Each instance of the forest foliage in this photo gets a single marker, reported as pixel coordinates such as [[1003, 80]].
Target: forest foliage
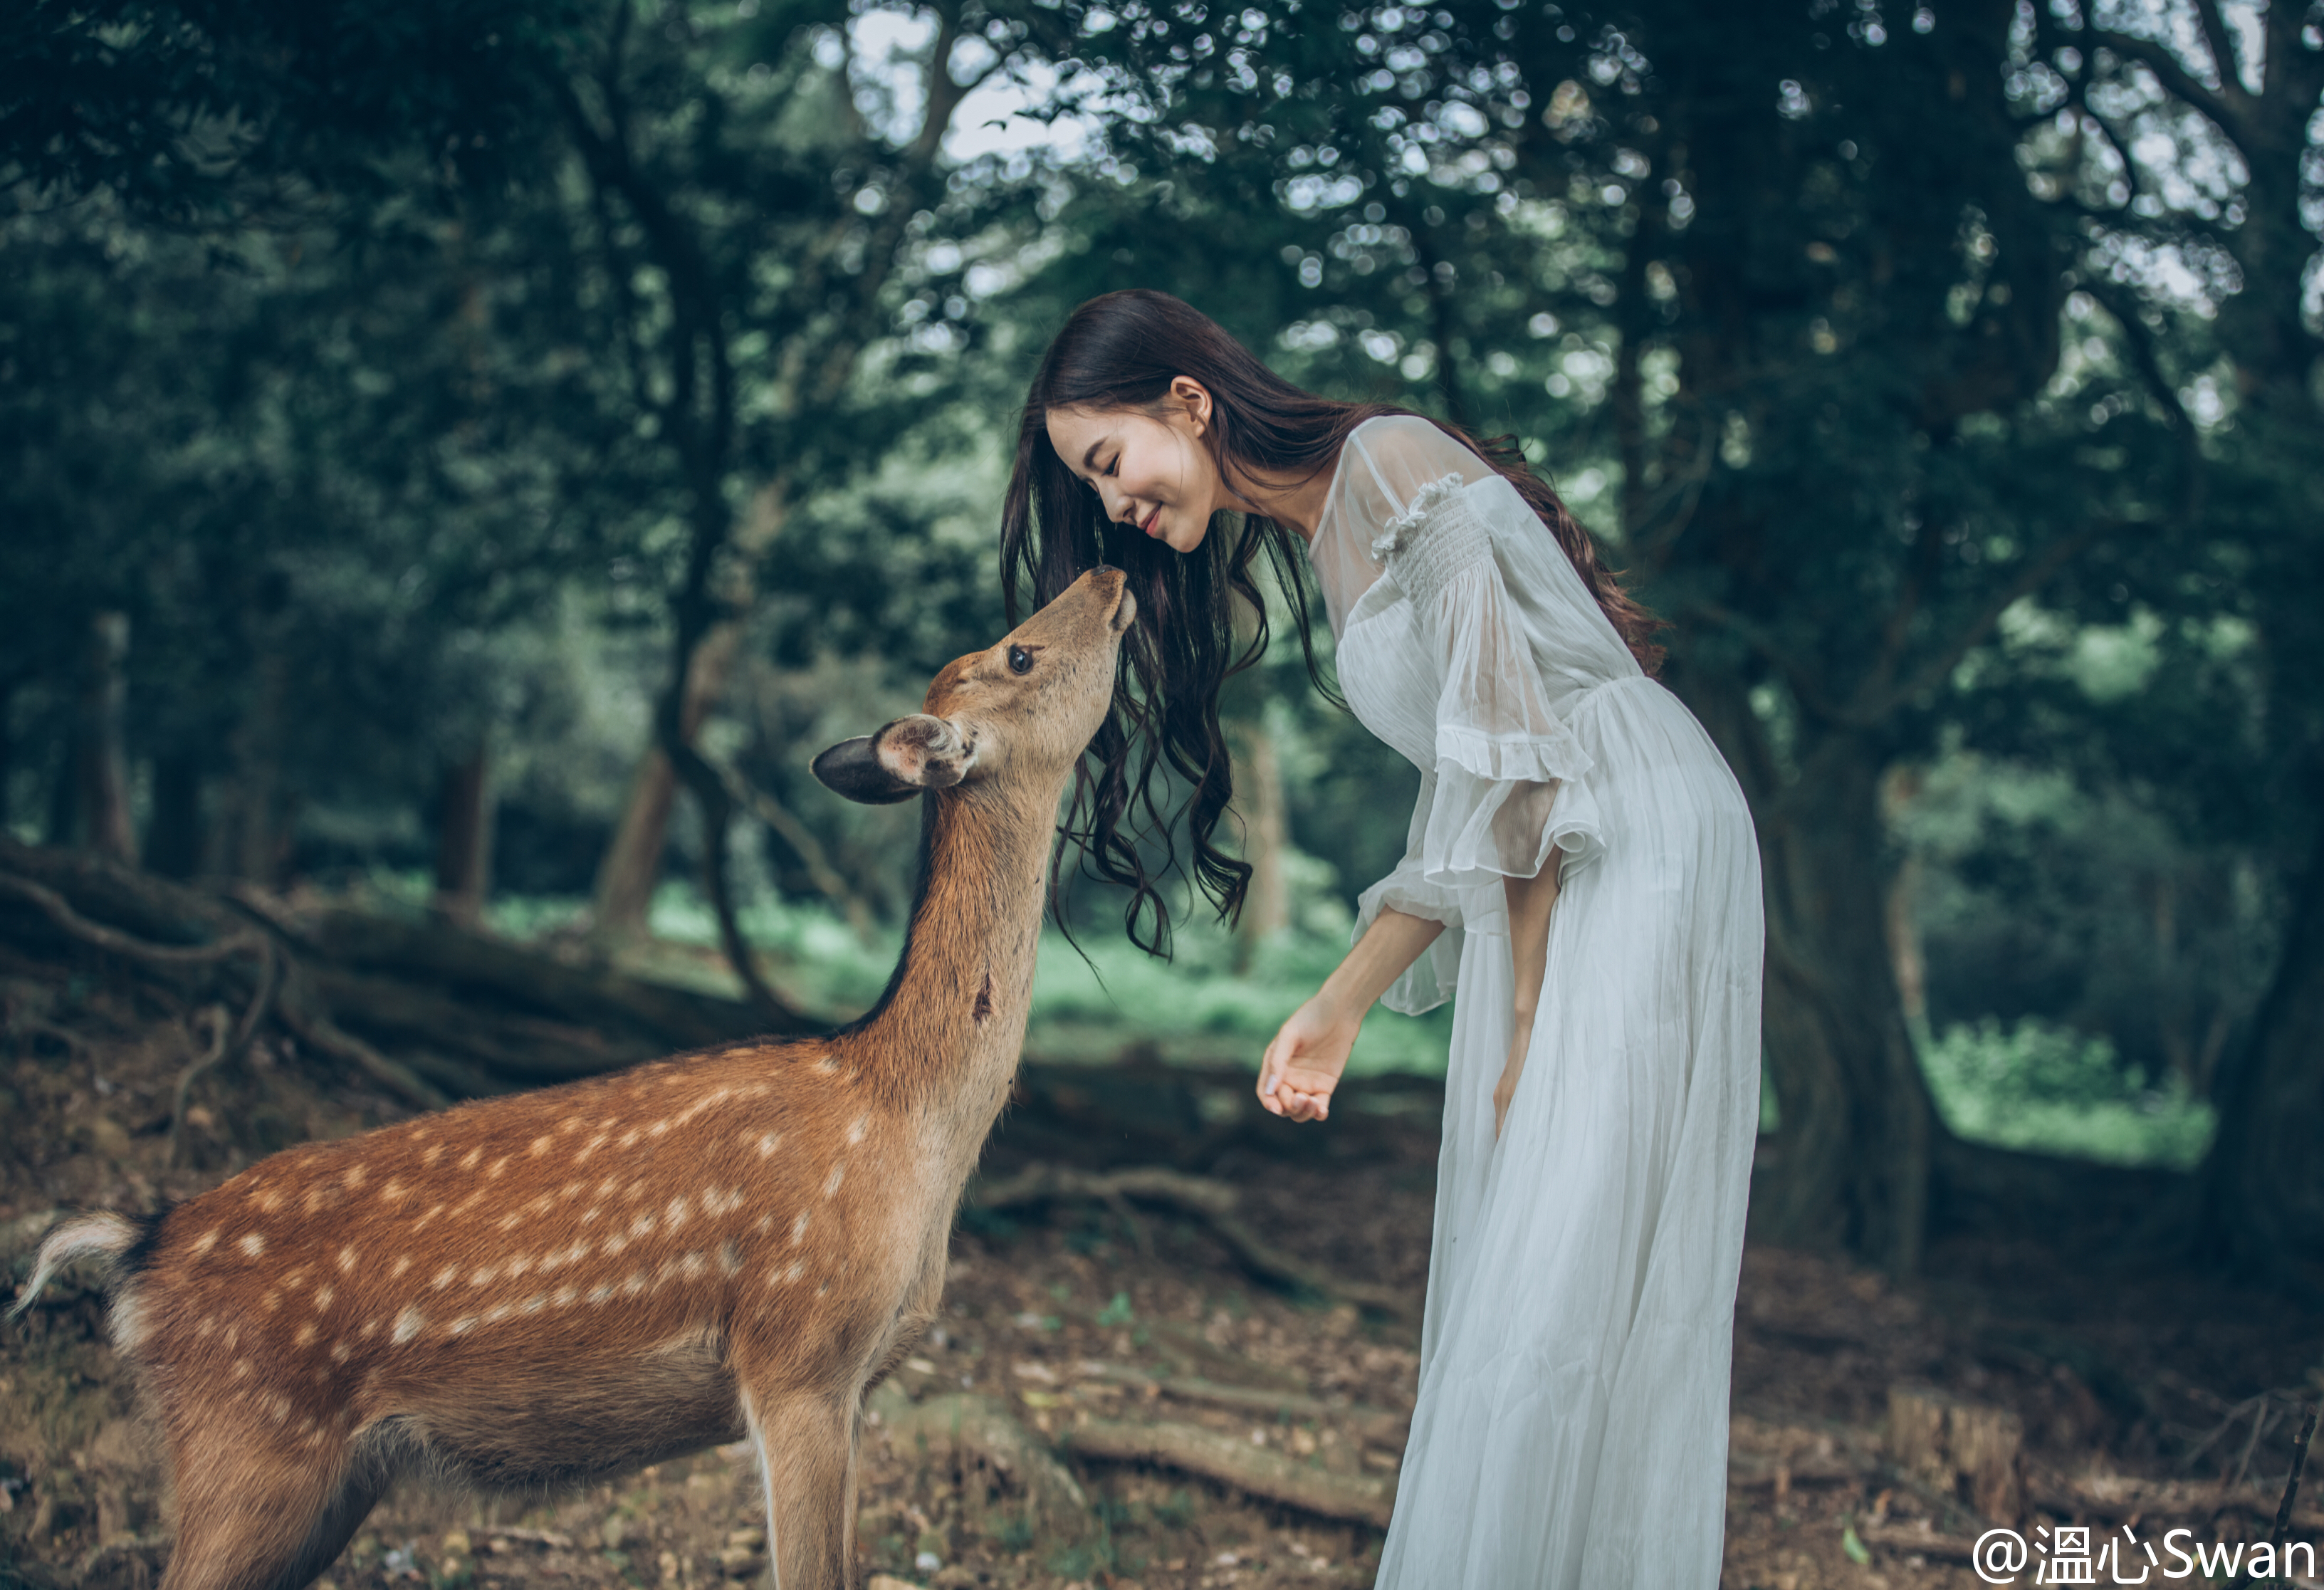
[[507, 440]]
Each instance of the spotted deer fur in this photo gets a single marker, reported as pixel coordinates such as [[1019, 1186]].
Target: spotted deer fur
[[557, 1286]]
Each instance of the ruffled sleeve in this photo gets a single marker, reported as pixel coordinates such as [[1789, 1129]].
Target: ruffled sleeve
[[1510, 779], [1428, 982]]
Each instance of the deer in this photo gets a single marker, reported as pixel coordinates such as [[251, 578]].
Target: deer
[[552, 1289]]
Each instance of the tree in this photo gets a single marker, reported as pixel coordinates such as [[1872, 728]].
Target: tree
[[743, 211], [2189, 153]]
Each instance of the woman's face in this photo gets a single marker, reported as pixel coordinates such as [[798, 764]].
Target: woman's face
[[1154, 472]]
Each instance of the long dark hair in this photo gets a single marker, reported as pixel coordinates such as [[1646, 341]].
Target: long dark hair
[[1121, 351]]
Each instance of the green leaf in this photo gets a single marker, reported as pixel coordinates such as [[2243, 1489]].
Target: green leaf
[[1856, 1550]]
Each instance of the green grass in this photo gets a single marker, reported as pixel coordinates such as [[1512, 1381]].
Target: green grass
[[2027, 1086], [1090, 1002], [2040, 1086]]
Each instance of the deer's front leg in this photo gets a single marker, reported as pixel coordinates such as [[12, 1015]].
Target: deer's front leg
[[807, 1447]]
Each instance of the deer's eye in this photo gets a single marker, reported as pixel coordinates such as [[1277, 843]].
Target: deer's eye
[[1021, 660]]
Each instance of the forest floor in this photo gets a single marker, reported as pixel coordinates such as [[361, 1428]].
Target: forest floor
[[2115, 1367]]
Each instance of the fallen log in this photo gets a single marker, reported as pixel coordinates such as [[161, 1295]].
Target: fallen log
[[306, 1014], [445, 956], [531, 1048], [1259, 1472]]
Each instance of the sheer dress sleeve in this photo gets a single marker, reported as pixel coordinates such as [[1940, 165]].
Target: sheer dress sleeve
[[1509, 780]]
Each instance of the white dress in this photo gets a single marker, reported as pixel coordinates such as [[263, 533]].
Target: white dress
[[1571, 1426]]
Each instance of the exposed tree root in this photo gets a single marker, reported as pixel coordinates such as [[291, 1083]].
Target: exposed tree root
[[428, 1011], [1256, 1471], [1212, 1203], [1379, 1425]]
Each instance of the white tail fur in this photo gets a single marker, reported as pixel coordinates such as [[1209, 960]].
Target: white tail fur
[[76, 1238]]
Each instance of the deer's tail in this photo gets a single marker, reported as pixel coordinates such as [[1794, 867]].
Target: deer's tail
[[104, 1234]]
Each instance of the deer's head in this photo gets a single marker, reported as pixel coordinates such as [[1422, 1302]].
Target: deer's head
[[1021, 709]]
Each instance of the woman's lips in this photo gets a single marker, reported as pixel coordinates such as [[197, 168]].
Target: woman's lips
[[1151, 524]]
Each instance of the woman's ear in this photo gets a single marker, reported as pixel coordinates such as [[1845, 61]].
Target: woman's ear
[[1196, 397]]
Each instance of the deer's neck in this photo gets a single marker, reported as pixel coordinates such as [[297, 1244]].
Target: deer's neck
[[948, 1034]]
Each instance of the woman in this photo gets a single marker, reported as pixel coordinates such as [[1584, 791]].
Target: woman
[[1603, 1093]]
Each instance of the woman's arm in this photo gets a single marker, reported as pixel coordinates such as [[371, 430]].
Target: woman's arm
[[1303, 1063], [1529, 902]]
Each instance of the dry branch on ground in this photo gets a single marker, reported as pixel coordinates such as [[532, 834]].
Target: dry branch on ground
[[1256, 1471], [1214, 1203]]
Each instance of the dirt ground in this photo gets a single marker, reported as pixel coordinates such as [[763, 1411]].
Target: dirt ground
[[2143, 1392]]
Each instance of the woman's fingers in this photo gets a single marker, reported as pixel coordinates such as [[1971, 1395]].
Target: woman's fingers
[[1289, 1088], [1300, 1106], [1270, 1072]]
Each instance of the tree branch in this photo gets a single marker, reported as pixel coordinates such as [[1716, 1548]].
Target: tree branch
[[801, 838], [1796, 673], [1928, 550], [944, 95], [2223, 55], [2147, 359], [702, 780], [2176, 80], [2030, 578]]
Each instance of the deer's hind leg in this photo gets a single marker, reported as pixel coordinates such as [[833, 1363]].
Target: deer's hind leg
[[806, 1448], [254, 1517]]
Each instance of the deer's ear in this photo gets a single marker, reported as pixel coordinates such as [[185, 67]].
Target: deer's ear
[[907, 756], [852, 768], [924, 750]]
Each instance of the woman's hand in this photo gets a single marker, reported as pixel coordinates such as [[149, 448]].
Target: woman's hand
[[1302, 1065]]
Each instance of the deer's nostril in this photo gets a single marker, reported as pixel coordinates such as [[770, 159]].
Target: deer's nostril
[[1105, 569]]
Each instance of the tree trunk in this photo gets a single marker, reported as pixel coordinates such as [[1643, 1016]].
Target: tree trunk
[[632, 862], [1905, 951], [2263, 1198], [100, 762], [464, 838], [253, 842], [63, 810], [1266, 906], [1852, 1153], [173, 838]]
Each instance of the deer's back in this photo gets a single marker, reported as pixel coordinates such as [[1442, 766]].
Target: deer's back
[[592, 1257]]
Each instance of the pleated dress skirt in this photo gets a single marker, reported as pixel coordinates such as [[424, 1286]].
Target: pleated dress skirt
[[1572, 1425]]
